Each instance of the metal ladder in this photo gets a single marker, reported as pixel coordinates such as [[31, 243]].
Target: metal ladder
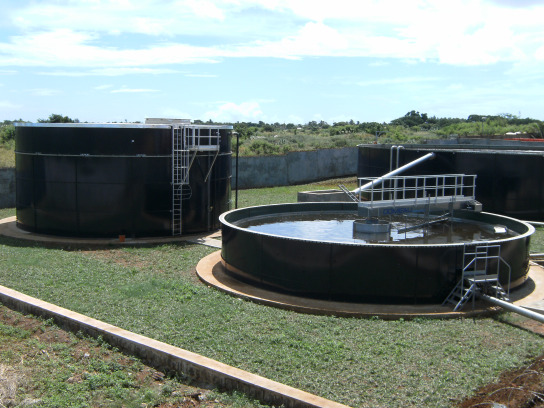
[[180, 175], [352, 196], [187, 139], [475, 277]]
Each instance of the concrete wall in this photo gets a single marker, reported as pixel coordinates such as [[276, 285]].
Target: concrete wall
[[7, 188], [295, 167], [260, 171]]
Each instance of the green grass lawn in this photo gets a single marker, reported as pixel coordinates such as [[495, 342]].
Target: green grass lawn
[[358, 362]]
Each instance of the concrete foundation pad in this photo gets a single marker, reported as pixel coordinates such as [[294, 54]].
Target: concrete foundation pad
[[212, 272], [8, 228]]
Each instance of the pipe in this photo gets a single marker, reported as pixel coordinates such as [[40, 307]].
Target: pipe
[[237, 160], [398, 154], [379, 180], [513, 308], [391, 157]]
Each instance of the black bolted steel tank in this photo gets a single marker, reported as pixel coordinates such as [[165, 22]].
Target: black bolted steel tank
[[509, 174], [106, 180], [291, 256]]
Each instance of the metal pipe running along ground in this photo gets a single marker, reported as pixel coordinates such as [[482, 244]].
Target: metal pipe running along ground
[[379, 180], [512, 308]]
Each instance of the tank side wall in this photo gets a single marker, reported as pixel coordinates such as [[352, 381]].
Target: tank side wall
[[383, 273], [296, 266], [508, 184], [94, 181]]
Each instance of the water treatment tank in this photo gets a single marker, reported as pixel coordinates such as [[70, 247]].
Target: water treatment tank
[[509, 174], [138, 180]]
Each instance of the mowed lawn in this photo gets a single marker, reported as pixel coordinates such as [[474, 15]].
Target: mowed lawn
[[358, 362]]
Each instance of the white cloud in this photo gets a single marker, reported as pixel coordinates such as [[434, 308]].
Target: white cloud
[[9, 105], [44, 92], [133, 90], [67, 48], [201, 75], [103, 87], [397, 81], [80, 34], [539, 54], [112, 72], [205, 8], [232, 112], [170, 113], [149, 17]]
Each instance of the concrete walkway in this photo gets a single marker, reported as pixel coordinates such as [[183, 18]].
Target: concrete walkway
[[211, 271], [8, 228]]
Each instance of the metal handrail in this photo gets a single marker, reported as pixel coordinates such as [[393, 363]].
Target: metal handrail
[[426, 187], [194, 139], [399, 170]]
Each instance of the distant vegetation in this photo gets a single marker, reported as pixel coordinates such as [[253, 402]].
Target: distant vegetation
[[262, 138]]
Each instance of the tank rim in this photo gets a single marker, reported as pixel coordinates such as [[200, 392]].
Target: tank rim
[[116, 125], [534, 149]]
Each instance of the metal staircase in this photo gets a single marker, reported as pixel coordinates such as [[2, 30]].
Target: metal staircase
[[187, 141], [352, 196], [475, 277]]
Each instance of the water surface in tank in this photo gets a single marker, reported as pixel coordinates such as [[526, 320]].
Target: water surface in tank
[[338, 227]]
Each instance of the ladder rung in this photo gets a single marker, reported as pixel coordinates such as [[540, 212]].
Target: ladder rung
[[484, 278], [474, 273]]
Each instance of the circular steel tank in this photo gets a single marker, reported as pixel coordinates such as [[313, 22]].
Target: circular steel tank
[[509, 174], [363, 272], [106, 180]]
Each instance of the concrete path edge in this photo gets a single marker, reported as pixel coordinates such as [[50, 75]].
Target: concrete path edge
[[199, 368]]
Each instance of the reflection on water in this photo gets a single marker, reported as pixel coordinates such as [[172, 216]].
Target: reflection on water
[[338, 227]]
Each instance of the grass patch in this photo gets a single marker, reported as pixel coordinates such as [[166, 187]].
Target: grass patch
[[358, 362], [6, 212], [288, 194], [44, 366], [7, 155], [537, 241]]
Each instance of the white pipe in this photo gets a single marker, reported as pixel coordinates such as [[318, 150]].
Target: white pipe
[[398, 154], [391, 157], [379, 180], [513, 308]]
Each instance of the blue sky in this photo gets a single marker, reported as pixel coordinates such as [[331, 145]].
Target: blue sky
[[271, 60]]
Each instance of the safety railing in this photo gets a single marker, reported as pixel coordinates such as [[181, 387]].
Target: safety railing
[[423, 188], [201, 138]]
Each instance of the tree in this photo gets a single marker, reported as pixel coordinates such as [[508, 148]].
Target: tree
[[412, 118], [55, 118], [7, 133]]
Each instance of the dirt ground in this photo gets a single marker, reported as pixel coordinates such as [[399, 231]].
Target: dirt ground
[[17, 379], [519, 388]]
